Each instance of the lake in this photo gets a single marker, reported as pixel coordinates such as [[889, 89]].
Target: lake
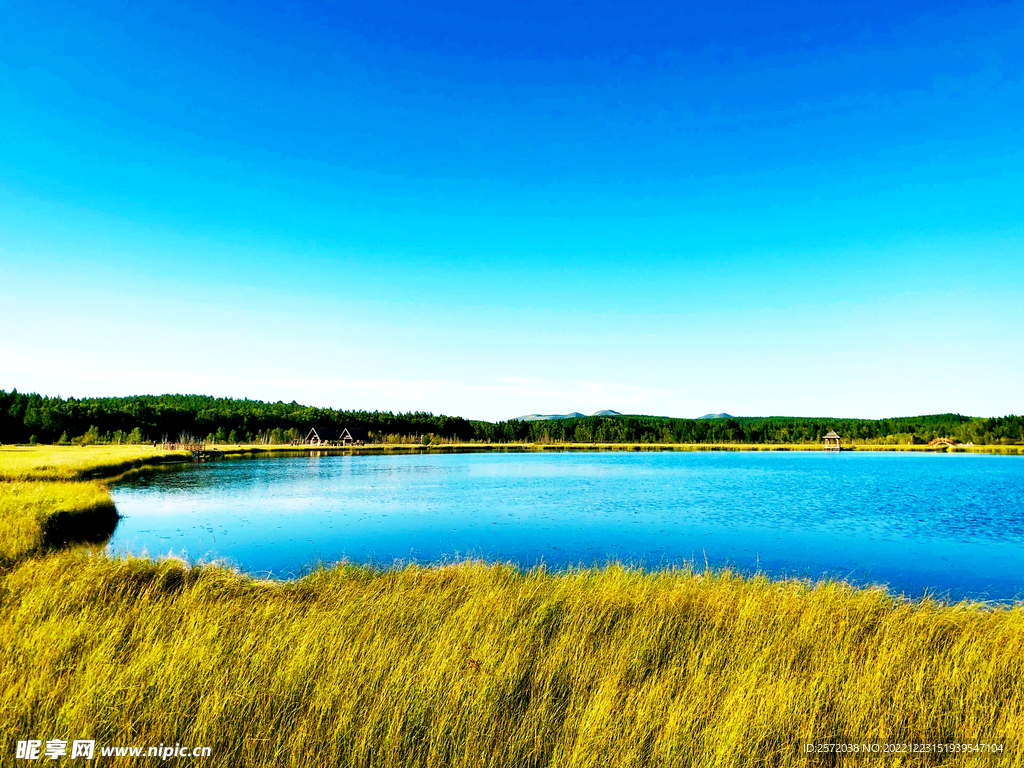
[[950, 525]]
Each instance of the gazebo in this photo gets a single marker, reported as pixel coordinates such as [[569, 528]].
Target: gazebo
[[832, 441]]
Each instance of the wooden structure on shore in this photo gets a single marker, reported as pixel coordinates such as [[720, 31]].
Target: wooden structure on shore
[[200, 451], [322, 436], [328, 436], [182, 445], [353, 436], [948, 442], [832, 441]]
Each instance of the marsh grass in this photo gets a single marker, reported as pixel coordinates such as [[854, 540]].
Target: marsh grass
[[37, 516], [483, 665], [59, 462], [474, 664], [46, 503]]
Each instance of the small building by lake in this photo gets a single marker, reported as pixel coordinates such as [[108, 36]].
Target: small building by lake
[[832, 441], [322, 436], [331, 436], [352, 436]]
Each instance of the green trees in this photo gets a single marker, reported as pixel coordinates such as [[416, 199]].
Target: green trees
[[754, 430], [223, 420], [155, 416]]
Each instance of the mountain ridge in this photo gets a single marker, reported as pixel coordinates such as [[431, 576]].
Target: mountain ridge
[[558, 416]]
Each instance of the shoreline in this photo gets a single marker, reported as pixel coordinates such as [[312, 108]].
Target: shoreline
[[53, 495], [385, 448]]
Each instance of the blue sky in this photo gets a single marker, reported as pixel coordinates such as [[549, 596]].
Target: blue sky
[[492, 210]]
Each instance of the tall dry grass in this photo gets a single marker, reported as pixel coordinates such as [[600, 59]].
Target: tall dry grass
[[44, 501], [476, 665], [35, 516], [469, 665]]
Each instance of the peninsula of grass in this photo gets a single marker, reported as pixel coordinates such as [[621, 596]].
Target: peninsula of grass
[[46, 502], [483, 665], [58, 462]]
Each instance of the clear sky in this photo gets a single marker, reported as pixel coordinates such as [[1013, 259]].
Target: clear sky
[[495, 209]]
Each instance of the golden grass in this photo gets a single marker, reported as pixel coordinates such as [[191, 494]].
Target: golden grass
[[471, 665], [475, 665], [63, 462], [35, 515], [44, 501]]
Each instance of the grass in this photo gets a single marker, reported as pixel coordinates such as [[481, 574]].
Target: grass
[[473, 664], [38, 516], [60, 462], [46, 503]]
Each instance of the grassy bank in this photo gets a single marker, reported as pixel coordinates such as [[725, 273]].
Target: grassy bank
[[471, 665], [474, 665], [37, 516], [59, 462], [46, 503]]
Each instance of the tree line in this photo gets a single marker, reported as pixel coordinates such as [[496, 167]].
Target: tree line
[[145, 418], [910, 430], [28, 418]]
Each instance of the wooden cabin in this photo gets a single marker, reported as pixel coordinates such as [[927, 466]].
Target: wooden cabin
[[832, 441], [352, 436], [331, 436], [322, 436]]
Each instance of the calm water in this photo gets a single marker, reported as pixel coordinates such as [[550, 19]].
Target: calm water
[[948, 524]]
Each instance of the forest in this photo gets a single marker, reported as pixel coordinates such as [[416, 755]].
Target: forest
[[33, 418], [911, 430], [148, 418]]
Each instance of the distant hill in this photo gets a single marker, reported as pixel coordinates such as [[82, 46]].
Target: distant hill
[[549, 416], [554, 416], [716, 416]]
